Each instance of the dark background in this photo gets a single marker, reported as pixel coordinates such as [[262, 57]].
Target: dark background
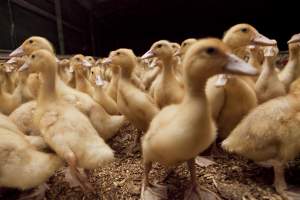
[[94, 27]]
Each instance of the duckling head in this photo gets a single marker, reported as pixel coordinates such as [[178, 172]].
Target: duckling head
[[244, 34], [124, 58], [32, 44], [185, 45], [37, 61], [175, 46], [64, 63], [95, 76], [161, 49], [208, 57], [294, 44], [91, 60], [79, 63]]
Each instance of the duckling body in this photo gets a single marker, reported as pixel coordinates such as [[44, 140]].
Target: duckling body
[[268, 85], [77, 143]]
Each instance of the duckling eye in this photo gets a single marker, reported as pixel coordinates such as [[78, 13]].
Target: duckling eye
[[32, 56], [30, 41], [244, 30], [159, 46], [210, 50], [77, 59], [118, 53], [184, 44], [92, 72]]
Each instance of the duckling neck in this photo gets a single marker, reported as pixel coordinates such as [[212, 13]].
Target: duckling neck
[[195, 90], [99, 93], [80, 79], [167, 67], [48, 92]]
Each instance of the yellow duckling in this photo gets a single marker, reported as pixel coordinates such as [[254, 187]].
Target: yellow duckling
[[9, 102], [79, 64], [270, 134], [184, 46], [22, 166], [100, 95], [65, 72], [105, 124], [151, 75], [133, 103], [77, 143], [112, 88], [233, 97], [292, 69], [268, 85], [178, 133], [168, 90]]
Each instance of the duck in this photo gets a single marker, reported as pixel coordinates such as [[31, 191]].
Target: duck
[[79, 63], [268, 85], [9, 82], [105, 124], [9, 102], [22, 166], [291, 71], [169, 90], [256, 58], [225, 92], [112, 88], [269, 134], [100, 96], [184, 46], [65, 72], [137, 106], [151, 75], [77, 143], [179, 132]]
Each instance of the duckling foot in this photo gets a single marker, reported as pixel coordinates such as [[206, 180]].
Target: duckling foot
[[195, 192], [203, 162], [38, 193], [154, 192], [80, 179]]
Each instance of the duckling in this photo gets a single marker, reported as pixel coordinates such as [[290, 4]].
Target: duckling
[[77, 143], [105, 124], [168, 90], [270, 134], [291, 71], [22, 166], [9, 82], [179, 132], [184, 46], [9, 102], [133, 103], [112, 88], [78, 63], [256, 56], [234, 90], [268, 86], [91, 60], [151, 75], [65, 72], [100, 95]]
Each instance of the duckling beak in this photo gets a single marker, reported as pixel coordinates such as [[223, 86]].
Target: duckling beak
[[238, 66], [148, 54], [86, 64], [107, 61], [295, 38], [17, 52], [57, 60], [177, 53], [11, 61], [221, 80], [99, 81], [23, 67], [260, 39]]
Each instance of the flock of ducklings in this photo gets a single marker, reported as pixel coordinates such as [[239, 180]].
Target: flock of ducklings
[[183, 99]]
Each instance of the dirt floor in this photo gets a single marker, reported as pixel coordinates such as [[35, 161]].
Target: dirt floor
[[231, 178]]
